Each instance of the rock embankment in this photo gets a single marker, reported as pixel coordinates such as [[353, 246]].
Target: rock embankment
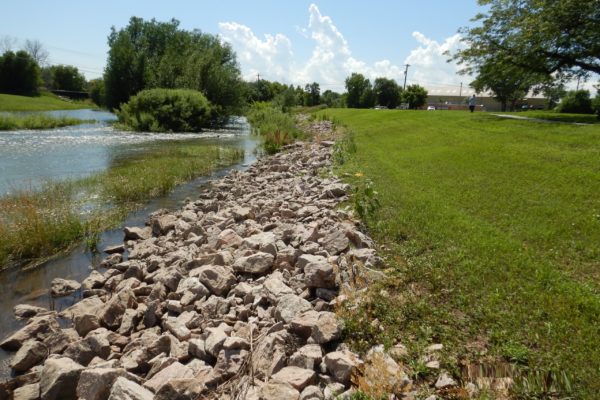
[[233, 296]]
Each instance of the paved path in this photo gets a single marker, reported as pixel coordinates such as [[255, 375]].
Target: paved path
[[538, 119]]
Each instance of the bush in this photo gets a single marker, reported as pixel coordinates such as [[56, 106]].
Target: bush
[[577, 102], [167, 110]]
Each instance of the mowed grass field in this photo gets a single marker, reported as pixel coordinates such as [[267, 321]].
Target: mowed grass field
[[492, 228], [44, 102]]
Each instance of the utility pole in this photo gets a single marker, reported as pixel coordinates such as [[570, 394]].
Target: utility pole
[[258, 78], [460, 92], [405, 75], [578, 78]]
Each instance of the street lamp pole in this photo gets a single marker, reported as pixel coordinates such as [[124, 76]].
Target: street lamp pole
[[405, 75]]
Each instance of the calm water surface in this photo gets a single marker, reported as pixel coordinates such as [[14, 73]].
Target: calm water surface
[[28, 158]]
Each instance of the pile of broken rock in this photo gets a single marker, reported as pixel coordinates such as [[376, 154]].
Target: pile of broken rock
[[230, 297]]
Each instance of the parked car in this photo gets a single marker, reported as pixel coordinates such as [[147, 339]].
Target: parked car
[[431, 108]]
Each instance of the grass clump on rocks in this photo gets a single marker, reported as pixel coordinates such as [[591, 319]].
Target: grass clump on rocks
[[277, 128]]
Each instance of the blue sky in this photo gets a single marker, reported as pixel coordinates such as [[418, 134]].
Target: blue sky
[[289, 41]]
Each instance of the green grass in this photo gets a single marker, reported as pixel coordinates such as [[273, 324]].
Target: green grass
[[35, 225], [36, 121], [45, 102], [493, 231], [276, 128], [559, 117]]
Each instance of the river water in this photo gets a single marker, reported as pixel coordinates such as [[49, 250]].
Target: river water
[[29, 158]]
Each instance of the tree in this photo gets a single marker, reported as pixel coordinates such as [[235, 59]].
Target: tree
[[360, 91], [97, 92], [387, 92], [37, 51], [508, 83], [19, 73], [541, 36], [312, 94], [331, 98], [415, 96], [553, 92], [152, 54], [576, 101], [67, 77], [7, 43]]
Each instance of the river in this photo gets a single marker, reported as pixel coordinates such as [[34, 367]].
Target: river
[[30, 158]]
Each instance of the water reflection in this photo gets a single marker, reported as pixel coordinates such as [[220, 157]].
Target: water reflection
[[29, 158]]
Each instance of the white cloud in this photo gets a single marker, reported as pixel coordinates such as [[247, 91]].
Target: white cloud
[[331, 59]]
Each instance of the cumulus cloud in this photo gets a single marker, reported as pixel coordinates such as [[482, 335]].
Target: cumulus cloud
[[331, 59]]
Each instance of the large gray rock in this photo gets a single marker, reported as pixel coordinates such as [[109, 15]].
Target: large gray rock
[[290, 306], [319, 274], [24, 311], [275, 289], [229, 363], [326, 328], [135, 233], [30, 354], [218, 279], [38, 327], [264, 241], [278, 391], [228, 238], [63, 287], [258, 263], [124, 389], [335, 241], [173, 371], [90, 305], [27, 392], [59, 379], [112, 312], [299, 378], [191, 289], [214, 341], [163, 224], [340, 365], [86, 323], [303, 324], [95, 383], [308, 356]]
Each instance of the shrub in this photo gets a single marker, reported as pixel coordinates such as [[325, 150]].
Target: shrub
[[167, 110], [576, 101]]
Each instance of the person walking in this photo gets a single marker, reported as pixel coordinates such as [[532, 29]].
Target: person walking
[[472, 101]]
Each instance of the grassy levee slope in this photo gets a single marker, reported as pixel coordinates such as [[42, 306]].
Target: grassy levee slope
[[493, 230], [45, 102]]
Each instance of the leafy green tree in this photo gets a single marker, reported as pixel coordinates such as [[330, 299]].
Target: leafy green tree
[[312, 94], [97, 91], [508, 83], [360, 91], [553, 92], [576, 101], [286, 99], [151, 54], [66, 77], [19, 73], [415, 96], [541, 36], [331, 98], [387, 92]]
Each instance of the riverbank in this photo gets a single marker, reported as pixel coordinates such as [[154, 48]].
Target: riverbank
[[46, 101], [36, 121]]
